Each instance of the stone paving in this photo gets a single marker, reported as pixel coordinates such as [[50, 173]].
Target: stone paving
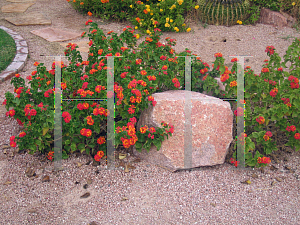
[[19, 17]]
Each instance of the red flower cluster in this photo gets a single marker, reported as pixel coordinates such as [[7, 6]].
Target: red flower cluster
[[66, 116], [260, 120], [50, 155], [270, 82], [270, 50], [268, 135], [263, 160], [87, 22], [86, 132], [234, 162], [99, 155], [274, 92], [238, 112], [286, 101], [176, 82], [291, 128], [294, 83]]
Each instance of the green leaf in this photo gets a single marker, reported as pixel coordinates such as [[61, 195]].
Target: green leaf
[[255, 134], [82, 150], [92, 145], [81, 146], [38, 142], [157, 143], [45, 130], [17, 101], [222, 69], [67, 142], [73, 147], [138, 145]]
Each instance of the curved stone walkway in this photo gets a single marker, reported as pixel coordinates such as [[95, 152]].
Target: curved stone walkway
[[19, 61], [24, 19]]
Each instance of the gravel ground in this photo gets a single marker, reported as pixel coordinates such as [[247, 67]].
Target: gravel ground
[[147, 194]]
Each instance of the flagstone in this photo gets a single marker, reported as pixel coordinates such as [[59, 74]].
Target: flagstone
[[54, 34], [16, 7], [30, 19], [20, 1], [83, 46]]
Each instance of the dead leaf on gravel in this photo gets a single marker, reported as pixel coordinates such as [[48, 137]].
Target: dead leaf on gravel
[[79, 164], [278, 179], [124, 199], [130, 166], [262, 170], [4, 152], [46, 179], [213, 204], [273, 183], [121, 163], [273, 168], [7, 182], [136, 160], [30, 172], [122, 156], [89, 181], [254, 176], [44, 159], [93, 223], [85, 195], [5, 146], [246, 182], [32, 211], [287, 167], [95, 163], [85, 186], [126, 169], [11, 154]]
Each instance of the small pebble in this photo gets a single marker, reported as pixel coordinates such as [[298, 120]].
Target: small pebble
[[85, 195]]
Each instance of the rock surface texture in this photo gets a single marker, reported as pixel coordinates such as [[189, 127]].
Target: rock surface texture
[[277, 19], [212, 123]]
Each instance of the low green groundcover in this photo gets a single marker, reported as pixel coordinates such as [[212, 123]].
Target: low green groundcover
[[7, 50]]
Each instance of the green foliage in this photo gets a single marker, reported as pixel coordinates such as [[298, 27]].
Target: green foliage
[[7, 49], [225, 12]]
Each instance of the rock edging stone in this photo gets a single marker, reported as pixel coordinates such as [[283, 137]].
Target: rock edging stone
[[18, 62]]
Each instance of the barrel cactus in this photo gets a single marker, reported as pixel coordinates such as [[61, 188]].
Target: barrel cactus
[[222, 12]]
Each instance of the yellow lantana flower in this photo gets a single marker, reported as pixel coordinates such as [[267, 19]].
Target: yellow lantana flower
[[167, 19], [293, 3], [197, 7], [171, 21], [148, 31], [151, 14], [161, 10], [180, 2], [176, 28], [136, 28], [188, 30], [183, 25], [148, 10], [167, 25], [130, 6], [137, 36]]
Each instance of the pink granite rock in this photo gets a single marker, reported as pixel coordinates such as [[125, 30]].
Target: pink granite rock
[[212, 124], [276, 19]]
